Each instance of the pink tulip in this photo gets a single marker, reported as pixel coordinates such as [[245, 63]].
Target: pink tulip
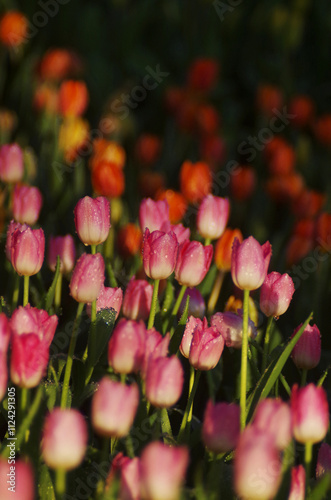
[[159, 254], [3, 374], [108, 298], [163, 470], [11, 163], [276, 294], [64, 247], [156, 347], [152, 214], [29, 359], [12, 226], [164, 381], [310, 413], [92, 220], [19, 476], [182, 233], [126, 347], [64, 439], [221, 426], [230, 326], [129, 471], [27, 202], [306, 353], [114, 407], [193, 262], [206, 347], [186, 342], [298, 483], [212, 216], [27, 248], [87, 278], [249, 263], [274, 416], [197, 306], [137, 299], [5, 333], [257, 465], [30, 319], [323, 460]]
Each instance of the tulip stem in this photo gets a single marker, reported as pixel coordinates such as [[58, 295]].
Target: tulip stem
[[267, 343], [308, 458], [58, 291], [72, 345], [215, 291], [244, 354], [304, 377], [176, 306], [207, 241], [187, 418], [60, 482], [93, 249], [26, 291], [153, 305]]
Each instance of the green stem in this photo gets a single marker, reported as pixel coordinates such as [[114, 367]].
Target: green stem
[[267, 343], [93, 249], [215, 292], [90, 348], [111, 275], [60, 483], [187, 418], [165, 426], [176, 307], [308, 458], [207, 241], [244, 353], [58, 292], [304, 377], [26, 291], [153, 305], [67, 373]]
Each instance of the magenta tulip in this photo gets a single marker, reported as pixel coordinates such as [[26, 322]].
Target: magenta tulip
[[306, 353], [92, 220], [137, 299], [249, 263], [27, 248], [153, 214], [164, 381], [27, 202], [213, 216], [276, 294], [108, 298], [64, 247], [221, 426], [193, 262], [230, 326], [87, 278], [126, 347], [159, 254]]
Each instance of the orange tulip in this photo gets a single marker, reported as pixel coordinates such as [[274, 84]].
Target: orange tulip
[[195, 180], [129, 240], [242, 184], [202, 74], [109, 151], [177, 204], [268, 98], [147, 149], [302, 107], [223, 248], [13, 28], [107, 179], [73, 98]]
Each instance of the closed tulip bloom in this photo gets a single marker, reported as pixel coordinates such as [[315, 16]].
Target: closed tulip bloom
[[156, 347], [298, 483], [29, 319], [129, 239], [27, 202], [163, 470], [73, 98], [127, 346], [310, 413], [129, 471], [108, 298], [29, 359], [164, 381], [27, 250], [230, 326], [87, 278], [159, 254], [11, 163], [114, 407], [14, 29], [137, 299], [64, 439], [323, 460], [213, 216], [92, 220], [306, 353], [12, 226], [206, 347], [197, 306], [249, 264], [223, 248], [152, 214], [23, 480], [182, 233], [195, 180], [257, 465], [193, 262], [64, 247], [221, 426], [5, 333], [274, 416], [186, 342], [276, 294]]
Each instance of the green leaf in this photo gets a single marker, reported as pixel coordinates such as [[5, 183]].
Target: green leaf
[[88, 391], [320, 490], [51, 292], [271, 374], [168, 298], [51, 392], [45, 486], [323, 377], [104, 326]]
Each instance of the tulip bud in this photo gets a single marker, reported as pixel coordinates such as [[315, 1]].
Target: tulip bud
[[129, 240], [11, 163], [27, 202], [108, 298], [323, 460], [19, 476], [92, 220], [159, 254], [306, 353], [298, 483], [223, 248], [221, 426], [73, 98], [212, 216], [193, 263], [64, 247], [310, 413], [156, 347], [5, 333], [249, 264], [137, 299], [64, 439], [163, 471], [114, 407], [276, 294], [164, 381], [129, 469], [87, 278], [196, 307], [206, 347], [127, 346], [152, 214], [257, 465], [27, 250], [195, 180], [274, 416], [230, 326]]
